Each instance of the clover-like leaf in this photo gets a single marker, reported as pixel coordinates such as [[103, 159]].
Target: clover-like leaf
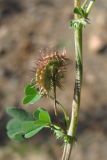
[[32, 95], [42, 115], [23, 125], [19, 130]]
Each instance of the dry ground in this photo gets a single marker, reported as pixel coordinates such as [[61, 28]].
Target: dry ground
[[25, 28]]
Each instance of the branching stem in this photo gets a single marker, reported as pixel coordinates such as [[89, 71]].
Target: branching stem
[[78, 82]]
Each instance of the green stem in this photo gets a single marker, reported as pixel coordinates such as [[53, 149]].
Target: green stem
[[78, 82], [77, 93], [55, 109], [89, 7], [77, 90], [85, 3], [63, 110]]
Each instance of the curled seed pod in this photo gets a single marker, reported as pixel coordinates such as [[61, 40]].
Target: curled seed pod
[[50, 71]]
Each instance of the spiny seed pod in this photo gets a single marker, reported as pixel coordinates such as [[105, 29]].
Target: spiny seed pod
[[50, 71]]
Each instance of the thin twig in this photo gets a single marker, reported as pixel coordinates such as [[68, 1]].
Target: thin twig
[[62, 108], [55, 107]]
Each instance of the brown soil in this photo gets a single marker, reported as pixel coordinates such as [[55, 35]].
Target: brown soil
[[25, 28]]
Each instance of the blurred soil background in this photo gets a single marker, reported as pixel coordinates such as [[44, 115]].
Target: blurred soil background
[[26, 27]]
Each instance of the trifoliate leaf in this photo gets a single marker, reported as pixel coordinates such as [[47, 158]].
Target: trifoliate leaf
[[17, 129]]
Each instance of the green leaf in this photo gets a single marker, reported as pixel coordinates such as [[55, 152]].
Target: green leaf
[[31, 95], [14, 130], [28, 126], [32, 133], [19, 113], [15, 136], [31, 99], [42, 115], [80, 11], [29, 90], [34, 128], [36, 114], [23, 125], [17, 129], [17, 126], [28, 99], [35, 99], [41, 123], [77, 10]]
